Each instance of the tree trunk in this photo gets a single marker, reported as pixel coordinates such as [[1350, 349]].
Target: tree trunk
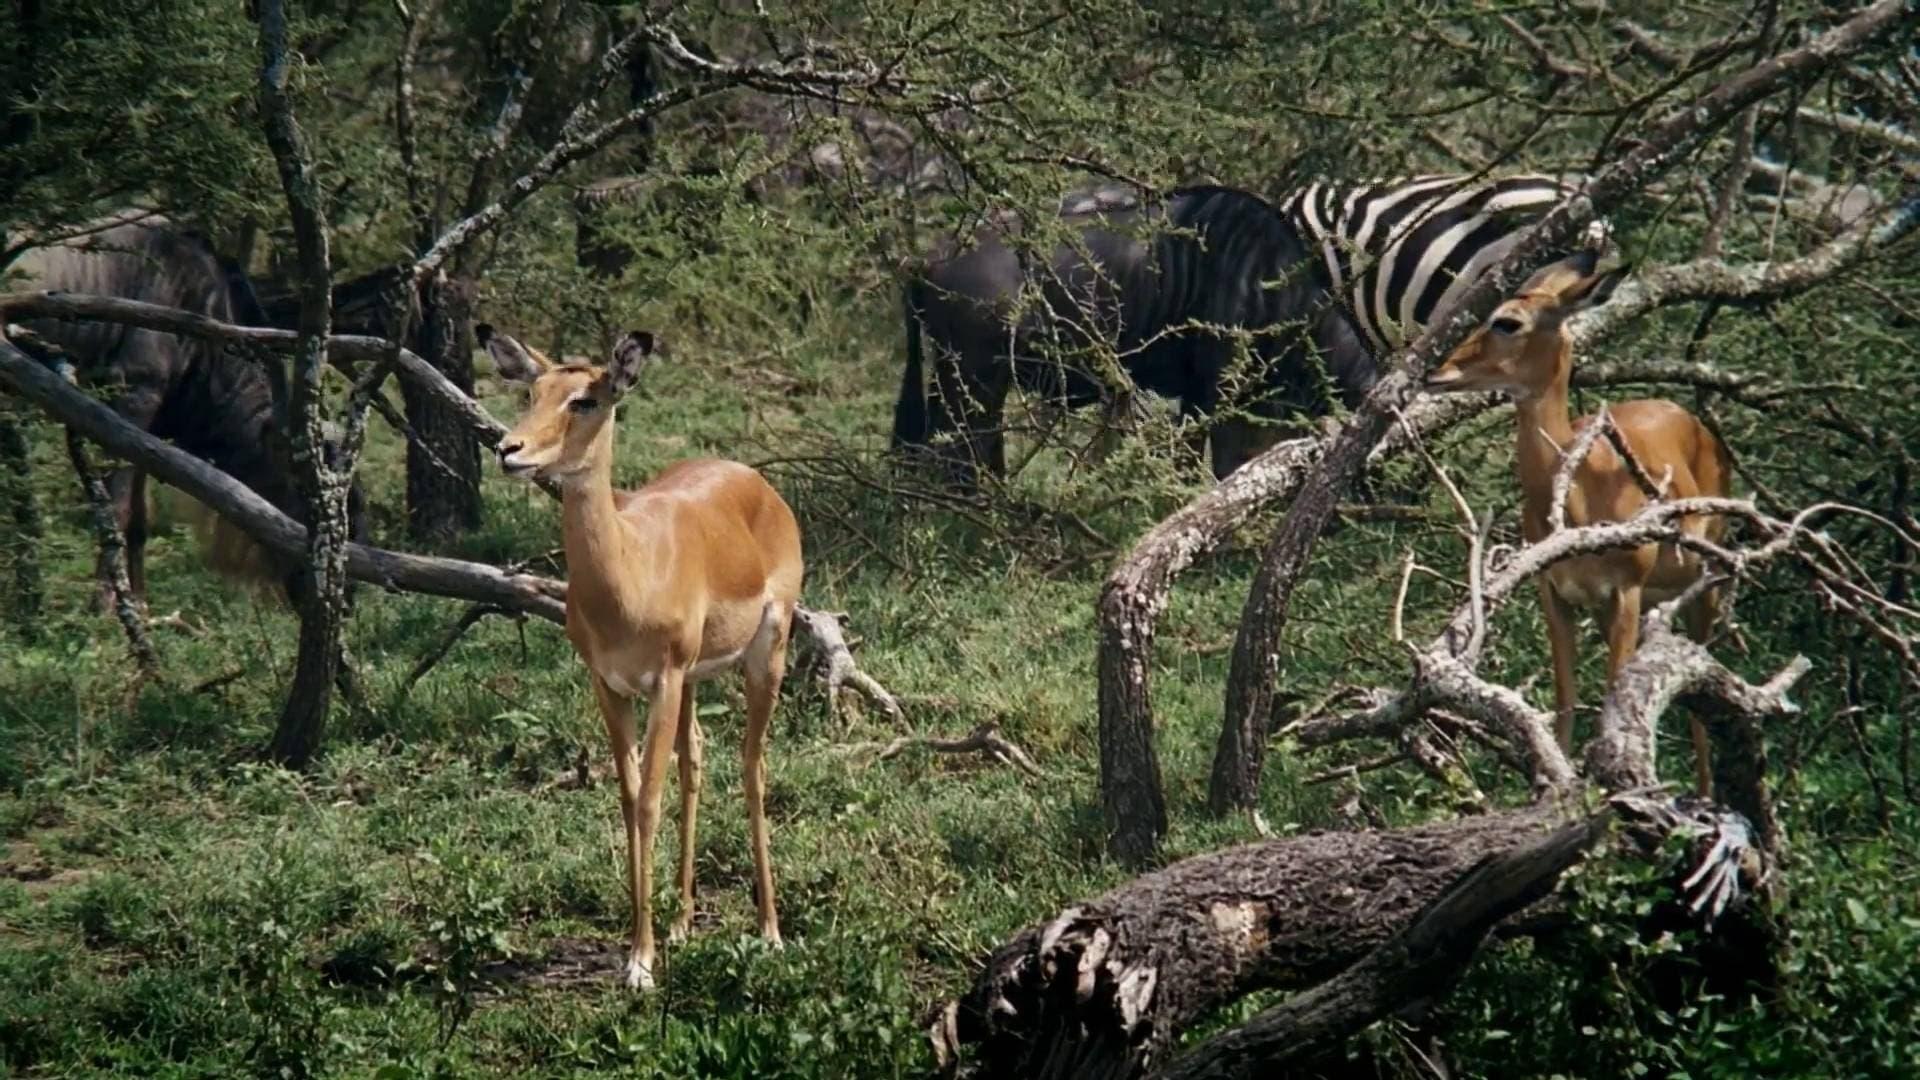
[[319, 592], [1241, 752], [27, 596], [1130, 605], [443, 464]]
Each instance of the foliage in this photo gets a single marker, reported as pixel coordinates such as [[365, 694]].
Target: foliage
[[426, 903]]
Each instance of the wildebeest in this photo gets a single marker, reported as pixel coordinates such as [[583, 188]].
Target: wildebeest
[[1159, 283], [212, 404]]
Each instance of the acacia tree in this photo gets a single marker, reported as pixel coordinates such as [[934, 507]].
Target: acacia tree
[[1314, 472]]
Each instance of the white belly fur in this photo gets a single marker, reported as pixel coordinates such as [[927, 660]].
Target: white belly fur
[[642, 684]]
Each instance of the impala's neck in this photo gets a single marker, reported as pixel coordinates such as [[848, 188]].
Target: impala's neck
[[591, 530], [1545, 426]]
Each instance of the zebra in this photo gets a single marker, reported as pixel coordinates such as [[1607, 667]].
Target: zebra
[[1398, 250]]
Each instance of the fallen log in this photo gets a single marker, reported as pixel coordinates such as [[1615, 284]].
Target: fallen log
[[1419, 963], [1104, 988]]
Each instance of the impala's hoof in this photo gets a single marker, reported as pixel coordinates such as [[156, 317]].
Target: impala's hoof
[[638, 976]]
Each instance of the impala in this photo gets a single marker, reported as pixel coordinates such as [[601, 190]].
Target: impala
[[694, 574], [1524, 351]]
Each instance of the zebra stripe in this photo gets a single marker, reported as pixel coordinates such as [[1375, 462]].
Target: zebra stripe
[[1397, 251]]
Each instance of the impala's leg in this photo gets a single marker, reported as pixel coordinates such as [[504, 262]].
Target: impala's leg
[[617, 711], [763, 689], [1700, 617], [688, 748], [1623, 629], [1560, 642], [663, 719]]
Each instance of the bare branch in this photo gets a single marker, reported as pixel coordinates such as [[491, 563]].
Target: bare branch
[[1732, 180], [570, 149], [1239, 755], [1713, 279], [1571, 458], [839, 667], [340, 347], [113, 565], [984, 739]]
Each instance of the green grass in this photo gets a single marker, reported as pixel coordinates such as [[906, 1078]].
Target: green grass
[[424, 903]]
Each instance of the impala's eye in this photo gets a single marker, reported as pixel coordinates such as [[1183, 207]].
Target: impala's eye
[[1505, 324], [582, 405]]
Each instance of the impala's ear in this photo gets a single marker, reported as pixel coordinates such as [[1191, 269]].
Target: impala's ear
[[631, 355], [1598, 290], [510, 358]]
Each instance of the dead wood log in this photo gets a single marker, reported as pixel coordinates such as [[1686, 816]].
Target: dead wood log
[[1104, 988], [1420, 962]]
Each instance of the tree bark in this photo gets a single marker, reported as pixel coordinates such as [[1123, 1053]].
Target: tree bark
[[1131, 602], [321, 590], [1419, 963], [1255, 670], [443, 462]]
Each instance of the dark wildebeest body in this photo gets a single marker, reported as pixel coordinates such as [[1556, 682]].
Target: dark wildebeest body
[[213, 405], [1156, 284]]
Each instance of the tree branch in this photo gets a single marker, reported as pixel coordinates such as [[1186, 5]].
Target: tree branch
[[259, 519], [1715, 279], [340, 347]]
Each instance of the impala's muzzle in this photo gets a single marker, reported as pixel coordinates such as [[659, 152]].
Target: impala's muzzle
[[510, 461]]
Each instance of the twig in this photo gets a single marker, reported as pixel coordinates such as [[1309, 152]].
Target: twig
[[984, 739], [209, 685], [113, 565], [839, 666], [1654, 489], [1732, 181], [467, 620], [1397, 632], [1572, 457], [1475, 531], [1344, 772]]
